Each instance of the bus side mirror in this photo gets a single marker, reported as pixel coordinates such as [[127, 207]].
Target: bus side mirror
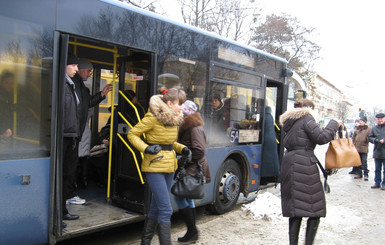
[[287, 72]]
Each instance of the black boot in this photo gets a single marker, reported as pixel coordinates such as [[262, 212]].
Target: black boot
[[192, 231], [148, 231], [294, 226], [164, 233], [311, 230]]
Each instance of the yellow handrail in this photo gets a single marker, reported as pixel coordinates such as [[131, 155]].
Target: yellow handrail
[[129, 124], [116, 55], [133, 154], [133, 106], [275, 124]]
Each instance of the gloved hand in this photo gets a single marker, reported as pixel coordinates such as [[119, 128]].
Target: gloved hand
[[187, 154], [153, 149]]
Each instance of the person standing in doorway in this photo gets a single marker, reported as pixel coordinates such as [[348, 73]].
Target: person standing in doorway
[[71, 136], [361, 142], [377, 137], [160, 125], [302, 194], [86, 101]]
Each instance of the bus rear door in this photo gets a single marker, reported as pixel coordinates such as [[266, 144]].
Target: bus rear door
[[129, 188]]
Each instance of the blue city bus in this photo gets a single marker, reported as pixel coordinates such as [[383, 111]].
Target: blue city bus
[[136, 50]]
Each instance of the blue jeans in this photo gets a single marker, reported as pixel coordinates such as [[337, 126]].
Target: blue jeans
[[160, 185], [380, 165], [184, 202]]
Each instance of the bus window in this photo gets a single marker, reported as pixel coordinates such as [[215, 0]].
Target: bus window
[[25, 85], [236, 115], [185, 64]]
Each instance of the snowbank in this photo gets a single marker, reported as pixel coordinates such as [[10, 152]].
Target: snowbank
[[266, 205]]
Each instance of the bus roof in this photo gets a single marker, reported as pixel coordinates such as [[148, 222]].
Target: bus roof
[[193, 28]]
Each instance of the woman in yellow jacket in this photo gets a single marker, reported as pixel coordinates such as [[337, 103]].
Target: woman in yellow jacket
[[160, 126]]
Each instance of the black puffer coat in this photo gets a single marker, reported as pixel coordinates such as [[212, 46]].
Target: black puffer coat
[[302, 193]]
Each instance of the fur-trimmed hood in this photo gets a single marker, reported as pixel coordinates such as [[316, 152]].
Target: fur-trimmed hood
[[164, 113], [193, 120], [288, 118]]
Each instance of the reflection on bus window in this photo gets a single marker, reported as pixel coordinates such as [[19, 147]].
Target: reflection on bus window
[[187, 74], [21, 108]]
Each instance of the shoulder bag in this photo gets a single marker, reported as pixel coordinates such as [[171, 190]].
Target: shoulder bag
[[188, 186], [342, 153]]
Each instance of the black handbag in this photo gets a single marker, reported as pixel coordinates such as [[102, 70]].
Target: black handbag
[[188, 186], [326, 172]]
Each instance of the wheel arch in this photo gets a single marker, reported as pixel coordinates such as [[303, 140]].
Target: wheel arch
[[240, 158]]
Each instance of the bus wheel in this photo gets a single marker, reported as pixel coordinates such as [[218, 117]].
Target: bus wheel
[[227, 187]]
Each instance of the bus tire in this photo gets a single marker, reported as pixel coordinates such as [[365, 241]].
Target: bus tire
[[227, 187]]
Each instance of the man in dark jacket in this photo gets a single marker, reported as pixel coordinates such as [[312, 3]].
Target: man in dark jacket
[[377, 136], [361, 142], [71, 134], [86, 101]]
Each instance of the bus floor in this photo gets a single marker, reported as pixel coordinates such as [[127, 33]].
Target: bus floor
[[97, 213]]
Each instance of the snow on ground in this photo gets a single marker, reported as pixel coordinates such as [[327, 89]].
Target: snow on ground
[[266, 205]]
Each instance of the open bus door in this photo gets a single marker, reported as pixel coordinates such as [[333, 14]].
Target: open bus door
[[275, 102], [120, 194], [129, 188]]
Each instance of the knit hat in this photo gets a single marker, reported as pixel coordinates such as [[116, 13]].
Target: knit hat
[[189, 107], [363, 118], [380, 115], [71, 59], [357, 120], [84, 64]]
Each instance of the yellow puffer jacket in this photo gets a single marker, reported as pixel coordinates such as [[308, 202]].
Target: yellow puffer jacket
[[160, 126]]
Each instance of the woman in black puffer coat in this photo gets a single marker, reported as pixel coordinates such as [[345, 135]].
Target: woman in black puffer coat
[[302, 194]]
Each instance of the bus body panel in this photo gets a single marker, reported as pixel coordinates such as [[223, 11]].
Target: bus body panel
[[252, 156], [24, 207]]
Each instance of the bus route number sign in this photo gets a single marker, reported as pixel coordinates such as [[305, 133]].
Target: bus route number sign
[[244, 135]]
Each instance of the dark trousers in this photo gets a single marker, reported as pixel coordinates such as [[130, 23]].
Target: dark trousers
[[70, 163], [364, 165], [379, 165]]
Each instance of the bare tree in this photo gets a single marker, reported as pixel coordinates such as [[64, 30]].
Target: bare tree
[[144, 4], [226, 18], [284, 36], [342, 110]]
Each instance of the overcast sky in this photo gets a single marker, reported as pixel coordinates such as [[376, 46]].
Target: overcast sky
[[350, 33]]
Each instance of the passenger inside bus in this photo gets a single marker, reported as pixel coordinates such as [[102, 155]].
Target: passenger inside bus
[[217, 112], [7, 81], [98, 164], [87, 101], [270, 162]]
